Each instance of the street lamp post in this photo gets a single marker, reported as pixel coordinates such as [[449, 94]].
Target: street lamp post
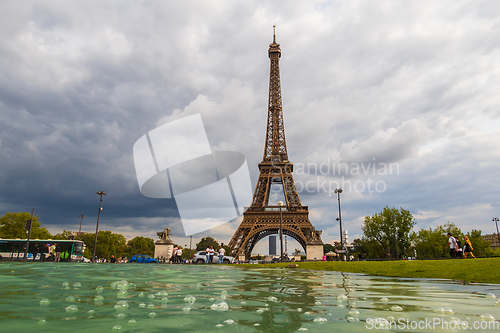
[[190, 240], [395, 235], [81, 216], [338, 191], [100, 194], [280, 204], [495, 219]]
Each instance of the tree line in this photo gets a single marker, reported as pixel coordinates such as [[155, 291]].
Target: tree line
[[390, 234], [13, 225]]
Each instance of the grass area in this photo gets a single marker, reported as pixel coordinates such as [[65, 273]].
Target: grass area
[[484, 270]]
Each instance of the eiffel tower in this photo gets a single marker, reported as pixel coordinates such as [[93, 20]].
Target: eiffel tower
[[260, 219]]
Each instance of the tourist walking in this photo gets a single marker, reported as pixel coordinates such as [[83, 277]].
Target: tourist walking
[[468, 247], [460, 252], [174, 255], [207, 254], [211, 251], [179, 255], [221, 254], [452, 245]]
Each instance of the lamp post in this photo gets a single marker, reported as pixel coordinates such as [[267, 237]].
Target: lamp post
[[395, 235], [495, 219], [190, 240], [280, 204], [100, 194], [81, 216], [338, 191]]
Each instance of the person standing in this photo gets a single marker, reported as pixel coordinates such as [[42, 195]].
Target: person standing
[[113, 259], [468, 247], [179, 255], [207, 254], [174, 255], [212, 251], [452, 245], [222, 252], [52, 251]]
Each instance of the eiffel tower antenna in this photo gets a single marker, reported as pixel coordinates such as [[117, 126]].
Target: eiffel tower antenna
[[260, 219]]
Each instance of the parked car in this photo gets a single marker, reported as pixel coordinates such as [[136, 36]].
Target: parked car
[[142, 258], [200, 258], [253, 261]]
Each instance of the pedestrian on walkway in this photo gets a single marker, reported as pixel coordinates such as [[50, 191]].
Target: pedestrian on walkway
[[452, 245], [221, 253], [207, 254], [468, 248]]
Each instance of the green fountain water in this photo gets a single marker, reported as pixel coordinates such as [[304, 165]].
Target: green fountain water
[[65, 297]]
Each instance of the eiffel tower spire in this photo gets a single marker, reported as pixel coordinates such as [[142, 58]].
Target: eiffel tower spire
[[260, 219]]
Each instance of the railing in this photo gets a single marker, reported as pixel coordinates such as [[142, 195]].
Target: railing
[[277, 209]]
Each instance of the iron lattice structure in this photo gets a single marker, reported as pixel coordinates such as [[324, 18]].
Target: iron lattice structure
[[260, 219]]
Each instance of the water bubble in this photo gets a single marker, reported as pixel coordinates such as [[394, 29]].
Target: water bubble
[[354, 312], [164, 300], [151, 305], [91, 312], [162, 294], [391, 318], [229, 321], [77, 285], [487, 317], [490, 295], [320, 320], [259, 311], [396, 308], [307, 313], [219, 325], [266, 305], [152, 314], [42, 322], [189, 299], [342, 297], [447, 310], [186, 309], [116, 328], [122, 285], [142, 305], [211, 299], [317, 303], [132, 322], [98, 298], [299, 309], [256, 324], [151, 296], [121, 315], [45, 302], [122, 293], [438, 310], [223, 292], [303, 329], [121, 306], [350, 319], [497, 303], [71, 309], [243, 302], [341, 305], [70, 299], [141, 294], [65, 284], [384, 299], [272, 299], [219, 306], [99, 289]]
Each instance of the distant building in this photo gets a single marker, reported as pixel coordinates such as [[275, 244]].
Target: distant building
[[493, 239], [272, 245]]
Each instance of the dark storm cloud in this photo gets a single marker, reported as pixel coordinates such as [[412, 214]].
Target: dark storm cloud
[[388, 82]]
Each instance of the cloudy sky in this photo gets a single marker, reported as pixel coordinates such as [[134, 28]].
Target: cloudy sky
[[402, 97]]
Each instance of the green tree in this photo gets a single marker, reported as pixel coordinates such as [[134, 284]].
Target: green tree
[[13, 225], [481, 247], [66, 234], [206, 242], [140, 245], [431, 243], [108, 244], [386, 229], [327, 248]]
